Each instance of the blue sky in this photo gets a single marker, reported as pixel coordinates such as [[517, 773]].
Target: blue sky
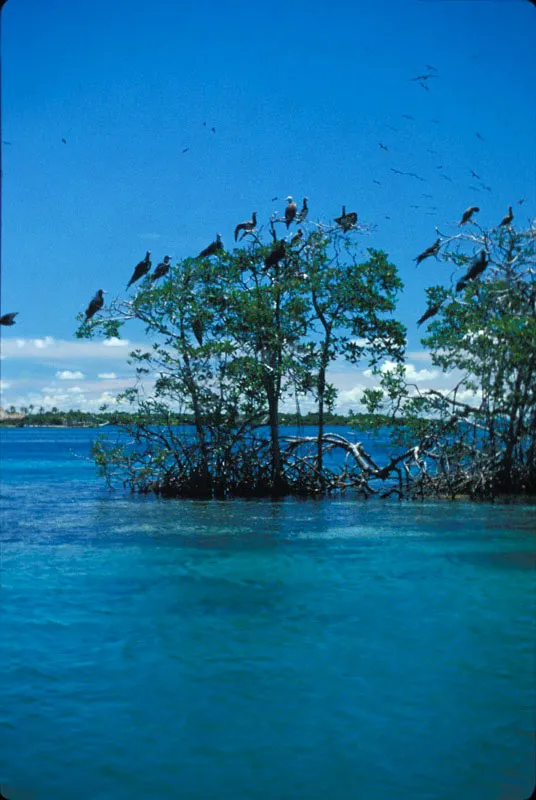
[[301, 94]]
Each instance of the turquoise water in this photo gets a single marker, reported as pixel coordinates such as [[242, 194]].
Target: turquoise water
[[261, 650]]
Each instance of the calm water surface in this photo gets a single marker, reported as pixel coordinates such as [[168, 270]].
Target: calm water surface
[[257, 650]]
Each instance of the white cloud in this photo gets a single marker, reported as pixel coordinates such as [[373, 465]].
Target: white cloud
[[412, 374], [107, 376], [113, 341], [73, 350], [75, 390], [4, 385], [69, 375]]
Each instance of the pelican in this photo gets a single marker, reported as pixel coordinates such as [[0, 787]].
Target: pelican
[[141, 269], [468, 214], [430, 312], [433, 250], [214, 247], [303, 212], [508, 218], [276, 255], [161, 269], [290, 211], [347, 220], [478, 266], [95, 305], [247, 227], [8, 319]]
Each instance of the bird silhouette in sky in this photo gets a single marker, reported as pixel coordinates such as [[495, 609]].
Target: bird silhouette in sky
[[430, 67], [446, 177], [375, 181], [213, 130], [408, 116], [247, 227], [95, 305], [141, 269], [8, 319], [474, 175], [507, 219], [424, 77], [430, 312], [64, 141], [466, 217], [383, 146], [478, 265], [214, 247], [433, 250], [479, 136], [161, 269]]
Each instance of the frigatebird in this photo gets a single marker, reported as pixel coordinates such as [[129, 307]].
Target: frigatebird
[[278, 253], [141, 269], [375, 181], [478, 266], [247, 227], [296, 237], [161, 269], [474, 174], [64, 141], [214, 247], [479, 136], [8, 319], [290, 211], [95, 305], [508, 218], [468, 214], [433, 250], [430, 312], [347, 220], [424, 77], [303, 212], [383, 146], [197, 327]]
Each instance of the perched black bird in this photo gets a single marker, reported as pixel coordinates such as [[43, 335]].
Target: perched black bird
[[95, 305], [197, 327], [276, 255], [433, 250], [290, 211], [8, 319], [214, 247], [478, 266], [161, 269], [303, 212], [430, 312], [247, 227], [347, 220], [296, 237], [141, 269], [508, 218], [468, 214]]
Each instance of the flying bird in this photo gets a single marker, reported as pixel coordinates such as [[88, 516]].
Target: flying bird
[[304, 210], [95, 305], [474, 175], [430, 312], [430, 67], [427, 195], [161, 269], [433, 250], [478, 266], [247, 227], [446, 177], [468, 214], [424, 77], [197, 328], [508, 218], [185, 149], [8, 319], [214, 247], [64, 141], [347, 220], [383, 147], [290, 211], [276, 255], [479, 136], [274, 199], [213, 130], [408, 116], [141, 269], [375, 181]]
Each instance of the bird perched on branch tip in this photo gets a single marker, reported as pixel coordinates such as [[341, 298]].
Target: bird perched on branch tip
[[141, 269], [433, 250], [161, 269], [95, 305], [214, 247], [290, 211], [247, 227], [468, 214]]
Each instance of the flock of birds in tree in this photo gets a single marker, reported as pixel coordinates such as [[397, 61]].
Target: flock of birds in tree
[[346, 221], [476, 267]]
